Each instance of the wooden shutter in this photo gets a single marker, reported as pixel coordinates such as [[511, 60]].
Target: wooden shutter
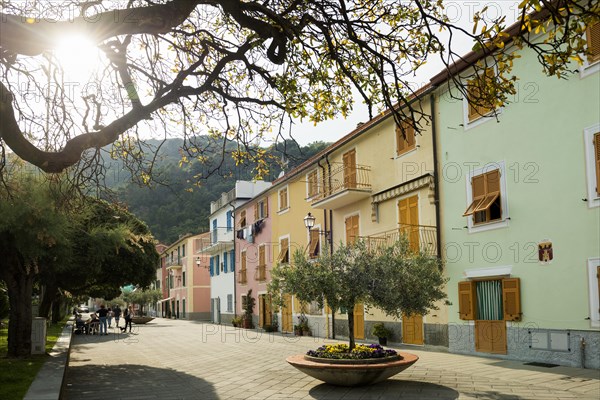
[[349, 160], [261, 312], [413, 215], [400, 142], [466, 300], [261, 256], [351, 229], [596, 143], [511, 296], [478, 189], [477, 97], [283, 204], [256, 213], [313, 250], [266, 207], [284, 252], [593, 41], [243, 219]]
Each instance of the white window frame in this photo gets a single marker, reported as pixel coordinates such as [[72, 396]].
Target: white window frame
[[502, 223], [588, 69], [594, 295], [593, 199], [287, 194], [483, 118]]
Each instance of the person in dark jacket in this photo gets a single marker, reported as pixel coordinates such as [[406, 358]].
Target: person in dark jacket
[[102, 313], [128, 318], [117, 312]]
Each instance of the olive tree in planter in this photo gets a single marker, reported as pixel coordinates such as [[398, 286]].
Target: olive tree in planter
[[394, 279], [248, 303]]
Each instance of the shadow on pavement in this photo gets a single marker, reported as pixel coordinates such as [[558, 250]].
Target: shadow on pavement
[[131, 381], [389, 389]]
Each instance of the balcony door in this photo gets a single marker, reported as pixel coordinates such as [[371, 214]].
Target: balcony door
[[286, 314], [408, 213], [351, 229], [349, 160]]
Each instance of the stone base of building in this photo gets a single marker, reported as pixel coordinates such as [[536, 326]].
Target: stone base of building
[[572, 348], [199, 316]]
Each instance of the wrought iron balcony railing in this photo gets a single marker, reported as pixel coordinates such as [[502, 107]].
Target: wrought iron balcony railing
[[343, 177], [420, 238]]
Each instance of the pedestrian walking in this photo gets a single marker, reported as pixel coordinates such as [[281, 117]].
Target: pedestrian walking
[[102, 313], [128, 318], [117, 314], [109, 317]]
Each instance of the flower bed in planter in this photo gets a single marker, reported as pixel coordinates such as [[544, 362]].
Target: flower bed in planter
[[141, 320], [365, 365]]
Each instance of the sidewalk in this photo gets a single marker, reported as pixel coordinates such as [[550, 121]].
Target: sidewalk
[[176, 359]]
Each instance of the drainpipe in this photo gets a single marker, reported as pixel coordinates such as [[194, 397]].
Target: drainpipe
[[325, 229], [436, 186], [232, 204], [582, 348]]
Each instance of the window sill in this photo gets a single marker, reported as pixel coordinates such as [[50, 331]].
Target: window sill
[[481, 120], [404, 153], [283, 211], [487, 226], [589, 69]]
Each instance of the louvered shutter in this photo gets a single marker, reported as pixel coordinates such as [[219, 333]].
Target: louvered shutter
[[266, 205], [597, 156], [261, 312], [413, 216], [492, 180], [261, 256], [217, 265], [478, 189], [256, 214], [466, 300], [232, 259], [314, 243], [212, 267], [225, 262], [400, 142], [511, 296], [593, 41]]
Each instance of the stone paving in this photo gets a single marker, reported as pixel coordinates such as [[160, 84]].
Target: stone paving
[[176, 359]]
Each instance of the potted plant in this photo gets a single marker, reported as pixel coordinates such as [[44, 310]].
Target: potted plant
[[381, 332], [248, 303], [237, 321], [385, 277]]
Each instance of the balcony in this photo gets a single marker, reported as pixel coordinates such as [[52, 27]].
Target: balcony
[[218, 241], [420, 238], [344, 185], [174, 263]]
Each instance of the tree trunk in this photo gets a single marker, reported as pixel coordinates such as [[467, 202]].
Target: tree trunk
[[57, 309], [19, 283], [48, 295], [351, 327]]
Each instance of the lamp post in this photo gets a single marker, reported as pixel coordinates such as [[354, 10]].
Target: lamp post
[[309, 223], [198, 262]]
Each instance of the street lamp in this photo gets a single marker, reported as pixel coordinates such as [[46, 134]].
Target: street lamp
[[309, 221], [198, 262]]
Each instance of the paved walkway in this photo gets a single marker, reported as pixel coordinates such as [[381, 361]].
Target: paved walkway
[[175, 359]]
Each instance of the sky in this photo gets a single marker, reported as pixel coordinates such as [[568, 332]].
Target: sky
[[459, 13]]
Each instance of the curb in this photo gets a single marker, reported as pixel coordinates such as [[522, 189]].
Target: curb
[[49, 381]]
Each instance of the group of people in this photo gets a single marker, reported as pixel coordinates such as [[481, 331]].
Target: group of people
[[99, 321]]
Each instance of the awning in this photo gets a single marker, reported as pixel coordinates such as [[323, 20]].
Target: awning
[[406, 187], [167, 299]]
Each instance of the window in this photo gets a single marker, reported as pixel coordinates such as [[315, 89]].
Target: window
[[229, 220], [351, 229], [229, 303], [408, 212], [183, 278], [243, 218], [314, 243], [218, 265], [486, 205], [232, 260], [312, 184], [284, 253], [592, 156], [283, 199], [349, 161], [243, 279], [405, 141], [183, 250], [261, 210], [212, 266], [592, 34], [594, 284], [262, 264], [479, 96], [214, 231]]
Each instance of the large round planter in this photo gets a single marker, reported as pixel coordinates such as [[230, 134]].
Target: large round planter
[[352, 372], [141, 320]]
